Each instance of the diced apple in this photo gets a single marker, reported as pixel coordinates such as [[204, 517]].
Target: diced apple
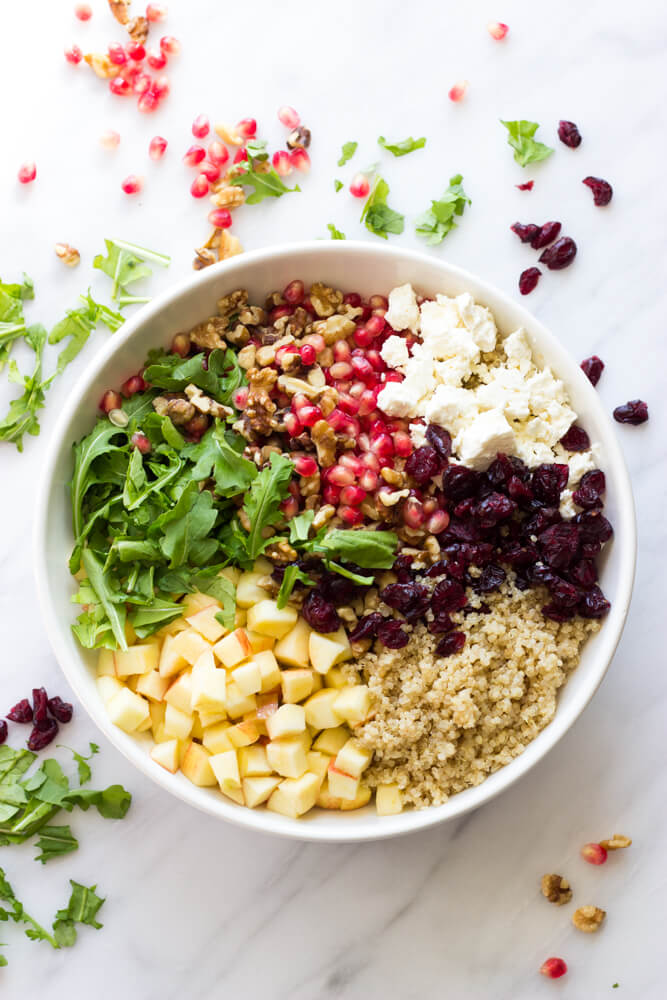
[[337, 678], [287, 756], [216, 738], [292, 649], [231, 573], [179, 693], [256, 790], [268, 668], [353, 704], [207, 624], [317, 681], [190, 645], [226, 770], [166, 755], [253, 761], [324, 652], [325, 800], [248, 678], [342, 785], [177, 724], [330, 741], [353, 758], [296, 685], [388, 800], [361, 799], [248, 591], [259, 643], [236, 703], [295, 796], [136, 659], [105, 664], [235, 794], [172, 660], [234, 648], [320, 709], [268, 619], [211, 718], [240, 618], [289, 720], [171, 628], [128, 710], [267, 704], [193, 603], [152, 685], [209, 684], [108, 687], [197, 732], [263, 566], [317, 763], [144, 726], [157, 710], [196, 765], [243, 733]]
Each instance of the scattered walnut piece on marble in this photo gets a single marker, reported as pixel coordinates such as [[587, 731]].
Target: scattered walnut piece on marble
[[556, 889], [616, 842], [588, 918]]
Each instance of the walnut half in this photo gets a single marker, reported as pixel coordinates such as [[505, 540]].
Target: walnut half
[[556, 889], [616, 842], [588, 918]]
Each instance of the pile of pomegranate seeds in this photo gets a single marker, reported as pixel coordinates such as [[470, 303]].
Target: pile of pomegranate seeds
[[633, 412], [45, 713]]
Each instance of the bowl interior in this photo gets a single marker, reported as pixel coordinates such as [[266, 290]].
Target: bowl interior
[[352, 267]]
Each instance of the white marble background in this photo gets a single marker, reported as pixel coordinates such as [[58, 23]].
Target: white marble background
[[199, 909]]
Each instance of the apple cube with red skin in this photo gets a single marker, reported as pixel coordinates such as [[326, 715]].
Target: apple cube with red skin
[[269, 669], [216, 738], [295, 796], [330, 741], [388, 800], [342, 785], [258, 788], [234, 648], [166, 755], [244, 733], [267, 704]]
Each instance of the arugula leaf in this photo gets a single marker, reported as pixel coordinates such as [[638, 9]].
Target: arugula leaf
[[54, 841], [150, 618], [368, 549], [126, 263], [18, 914], [335, 233], [214, 456], [338, 185], [225, 592], [82, 908], [349, 574], [266, 184], [435, 223], [12, 323], [520, 138], [186, 528], [220, 380], [83, 766], [262, 501], [403, 147], [377, 215], [22, 416], [290, 576], [299, 526], [111, 803], [78, 325], [101, 585], [347, 152]]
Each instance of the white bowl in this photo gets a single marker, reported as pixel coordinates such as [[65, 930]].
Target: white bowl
[[352, 266]]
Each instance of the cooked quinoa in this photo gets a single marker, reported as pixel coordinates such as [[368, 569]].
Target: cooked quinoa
[[443, 724]]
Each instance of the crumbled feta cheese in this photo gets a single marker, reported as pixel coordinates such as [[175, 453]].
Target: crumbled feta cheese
[[517, 350], [505, 390], [403, 312], [478, 320], [451, 407], [566, 506], [394, 401], [395, 352], [579, 463], [481, 441]]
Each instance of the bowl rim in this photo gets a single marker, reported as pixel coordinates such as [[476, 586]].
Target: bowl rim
[[410, 820]]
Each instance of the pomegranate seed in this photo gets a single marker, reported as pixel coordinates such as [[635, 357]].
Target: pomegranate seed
[[141, 83], [194, 155], [117, 54], [331, 494], [136, 51], [220, 218], [340, 370], [119, 86], [528, 279], [135, 383], [279, 312], [378, 302], [201, 126], [602, 190], [293, 425], [368, 481], [157, 147], [300, 160], [592, 368], [307, 355], [336, 419], [305, 465], [288, 117], [156, 12], [199, 186], [83, 11], [382, 446], [633, 412], [363, 369], [181, 345], [370, 461], [280, 355], [360, 186], [170, 45], [110, 401], [73, 55], [402, 444], [290, 507], [595, 854], [27, 173], [350, 515], [218, 153], [241, 398], [309, 415], [352, 462], [363, 337], [132, 184], [413, 513], [569, 134], [294, 293], [376, 360], [368, 402], [247, 127], [141, 443], [356, 390], [353, 496], [340, 476], [352, 299], [375, 324], [147, 102], [348, 404], [156, 59], [317, 341], [393, 377], [526, 186], [553, 968], [437, 522], [240, 156], [457, 92], [210, 171], [160, 87], [497, 30]]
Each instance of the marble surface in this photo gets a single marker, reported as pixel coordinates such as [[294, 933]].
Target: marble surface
[[199, 909]]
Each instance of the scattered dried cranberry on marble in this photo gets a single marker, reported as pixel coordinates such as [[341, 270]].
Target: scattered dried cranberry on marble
[[560, 254], [602, 190], [635, 412], [592, 368], [569, 134], [528, 280]]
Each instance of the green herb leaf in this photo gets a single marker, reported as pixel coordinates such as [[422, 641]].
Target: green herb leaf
[[220, 380], [256, 150], [54, 841], [368, 549], [439, 219], [125, 263], [364, 581], [377, 215], [265, 185], [18, 914], [82, 908], [101, 585], [338, 185], [335, 233], [520, 138], [78, 325], [83, 766], [347, 152], [403, 147], [111, 803], [290, 576], [22, 416], [299, 526], [186, 528], [218, 455], [262, 502]]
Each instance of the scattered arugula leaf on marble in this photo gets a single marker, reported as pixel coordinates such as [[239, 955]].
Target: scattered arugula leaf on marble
[[347, 152], [378, 217], [520, 137], [403, 147], [338, 185], [265, 184], [336, 234], [126, 263], [439, 219]]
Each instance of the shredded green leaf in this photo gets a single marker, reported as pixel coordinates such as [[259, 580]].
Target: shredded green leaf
[[22, 416], [290, 576], [335, 233], [347, 152], [262, 501], [377, 215], [125, 263], [403, 147], [338, 185], [439, 220], [82, 908], [54, 841], [78, 325], [520, 138], [265, 184]]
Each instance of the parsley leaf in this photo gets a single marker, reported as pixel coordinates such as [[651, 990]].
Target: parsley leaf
[[338, 185], [22, 416], [520, 138], [215, 456], [377, 215], [82, 908], [78, 325], [12, 322], [435, 223], [54, 841], [262, 501], [290, 576], [335, 233], [347, 152], [125, 263], [403, 147]]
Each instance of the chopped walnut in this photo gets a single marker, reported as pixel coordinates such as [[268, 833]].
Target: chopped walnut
[[238, 336], [228, 245], [324, 299], [324, 439], [272, 300], [260, 408], [266, 355], [334, 328], [232, 304], [180, 411], [328, 400], [101, 65], [205, 404], [616, 842], [230, 196], [209, 335], [292, 385], [244, 520], [120, 10], [252, 316], [281, 552], [316, 377], [299, 138], [204, 258], [432, 547], [348, 615], [371, 513], [229, 135], [371, 599], [413, 536], [67, 254], [588, 918], [323, 516], [391, 499], [392, 476], [247, 356], [556, 889], [137, 29]]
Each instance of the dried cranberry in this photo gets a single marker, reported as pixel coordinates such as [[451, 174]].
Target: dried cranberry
[[590, 489], [592, 368], [503, 468], [527, 232], [541, 574], [543, 519], [60, 710], [584, 573], [3, 730], [494, 509], [546, 235], [560, 545], [593, 527], [560, 254], [594, 604], [557, 614], [564, 594], [576, 439], [462, 530], [320, 614], [438, 569], [519, 491], [451, 643], [465, 508], [440, 439], [441, 623], [411, 599], [548, 481], [403, 568], [479, 554], [392, 635], [337, 589], [528, 280], [21, 712], [569, 134], [423, 464], [526, 186], [448, 595], [42, 734], [635, 411], [520, 555], [39, 704], [367, 627], [491, 578], [602, 190], [459, 482]]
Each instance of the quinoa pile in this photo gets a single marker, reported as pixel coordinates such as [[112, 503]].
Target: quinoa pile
[[442, 724]]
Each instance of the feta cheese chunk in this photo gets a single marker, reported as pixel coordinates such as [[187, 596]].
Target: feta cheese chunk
[[403, 312], [478, 321], [517, 350], [395, 352], [481, 441]]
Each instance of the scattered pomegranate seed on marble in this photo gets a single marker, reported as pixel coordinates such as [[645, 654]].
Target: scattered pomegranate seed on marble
[[132, 184], [210, 170], [288, 116], [595, 854], [201, 127], [527, 186], [281, 163], [156, 59], [156, 12], [194, 155], [83, 12], [117, 54], [27, 173], [199, 187], [136, 51], [170, 45], [247, 128], [300, 160], [148, 102], [497, 30], [157, 147], [457, 92], [119, 86], [360, 186], [73, 55], [553, 968]]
